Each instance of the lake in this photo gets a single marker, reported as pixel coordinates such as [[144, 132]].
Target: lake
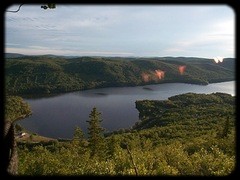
[[57, 116]]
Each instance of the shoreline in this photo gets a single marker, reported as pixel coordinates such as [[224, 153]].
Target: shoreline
[[67, 139], [33, 96]]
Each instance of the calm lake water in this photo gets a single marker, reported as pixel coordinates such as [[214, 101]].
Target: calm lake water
[[57, 116]]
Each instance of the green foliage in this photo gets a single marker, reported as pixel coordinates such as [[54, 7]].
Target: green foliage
[[78, 138], [170, 159], [188, 134], [212, 163], [15, 108], [95, 131], [226, 129], [185, 142], [187, 109], [48, 75], [78, 134]]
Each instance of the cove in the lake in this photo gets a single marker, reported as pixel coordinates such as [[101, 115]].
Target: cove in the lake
[[57, 116]]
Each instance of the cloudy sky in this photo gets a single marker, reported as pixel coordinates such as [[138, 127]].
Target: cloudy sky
[[122, 30]]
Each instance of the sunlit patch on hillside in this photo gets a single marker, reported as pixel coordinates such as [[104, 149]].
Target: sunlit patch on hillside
[[145, 77], [159, 74], [181, 69], [153, 75]]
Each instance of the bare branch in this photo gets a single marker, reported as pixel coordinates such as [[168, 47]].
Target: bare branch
[[16, 10]]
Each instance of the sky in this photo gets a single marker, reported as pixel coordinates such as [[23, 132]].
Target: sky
[[205, 31]]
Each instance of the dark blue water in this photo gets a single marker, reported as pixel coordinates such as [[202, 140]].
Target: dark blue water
[[57, 116]]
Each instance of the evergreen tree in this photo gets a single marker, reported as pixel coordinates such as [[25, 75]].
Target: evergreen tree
[[78, 141], [95, 131], [78, 135], [226, 129]]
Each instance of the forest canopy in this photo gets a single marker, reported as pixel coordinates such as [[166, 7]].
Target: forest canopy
[[16, 108], [188, 134], [53, 74]]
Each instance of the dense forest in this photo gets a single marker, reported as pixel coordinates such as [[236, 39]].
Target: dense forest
[[53, 74], [16, 108], [188, 134]]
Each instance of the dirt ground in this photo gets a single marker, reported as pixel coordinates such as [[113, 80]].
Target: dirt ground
[[33, 138]]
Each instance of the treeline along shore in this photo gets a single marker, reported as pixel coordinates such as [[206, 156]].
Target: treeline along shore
[[25, 75], [188, 134]]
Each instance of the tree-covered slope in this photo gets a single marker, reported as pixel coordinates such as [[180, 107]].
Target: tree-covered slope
[[200, 111], [188, 134], [46, 74], [15, 108]]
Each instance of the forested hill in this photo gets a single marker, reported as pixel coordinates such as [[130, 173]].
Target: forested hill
[[53, 74], [187, 135], [189, 109]]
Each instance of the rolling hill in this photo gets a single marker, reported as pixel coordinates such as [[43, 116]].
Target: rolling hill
[[53, 74]]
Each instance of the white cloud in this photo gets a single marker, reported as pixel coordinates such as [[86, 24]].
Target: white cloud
[[220, 36], [122, 29], [12, 44]]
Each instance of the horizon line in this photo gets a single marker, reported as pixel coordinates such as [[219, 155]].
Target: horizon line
[[114, 56]]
